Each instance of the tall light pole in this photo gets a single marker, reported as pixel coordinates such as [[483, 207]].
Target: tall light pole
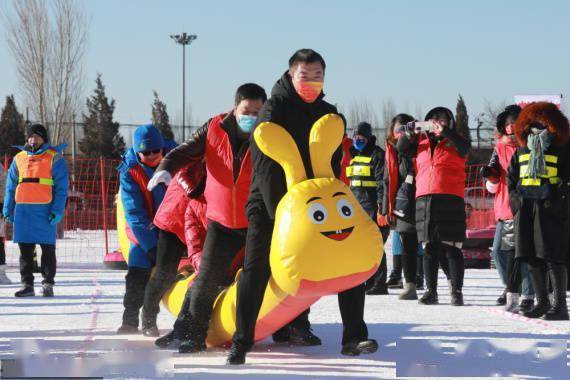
[[183, 39]]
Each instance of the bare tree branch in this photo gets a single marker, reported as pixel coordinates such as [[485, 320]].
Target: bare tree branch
[[48, 45]]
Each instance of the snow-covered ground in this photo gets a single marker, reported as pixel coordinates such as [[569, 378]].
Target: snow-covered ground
[[77, 329]]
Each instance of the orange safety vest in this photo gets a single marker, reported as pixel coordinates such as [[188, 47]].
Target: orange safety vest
[[35, 182]]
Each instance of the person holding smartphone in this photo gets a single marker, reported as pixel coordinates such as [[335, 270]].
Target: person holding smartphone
[[440, 154]]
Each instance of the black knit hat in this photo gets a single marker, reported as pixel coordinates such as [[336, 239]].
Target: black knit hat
[[363, 129], [513, 110], [37, 129]]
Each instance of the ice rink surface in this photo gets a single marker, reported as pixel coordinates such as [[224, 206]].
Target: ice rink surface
[[74, 334]]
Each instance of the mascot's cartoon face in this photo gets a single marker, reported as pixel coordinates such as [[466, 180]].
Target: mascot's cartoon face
[[322, 236]]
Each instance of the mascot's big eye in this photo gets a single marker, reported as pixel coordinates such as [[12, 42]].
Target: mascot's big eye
[[317, 213], [345, 209]]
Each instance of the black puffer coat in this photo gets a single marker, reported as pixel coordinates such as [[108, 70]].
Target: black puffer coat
[[287, 109], [405, 168]]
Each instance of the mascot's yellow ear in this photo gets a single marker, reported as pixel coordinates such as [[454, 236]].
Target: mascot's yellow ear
[[326, 136], [274, 141]]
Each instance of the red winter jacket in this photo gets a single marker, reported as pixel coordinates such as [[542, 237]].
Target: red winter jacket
[[226, 196], [195, 225], [500, 160], [442, 173]]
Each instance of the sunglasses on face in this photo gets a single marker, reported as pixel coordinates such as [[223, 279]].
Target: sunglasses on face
[[149, 152]]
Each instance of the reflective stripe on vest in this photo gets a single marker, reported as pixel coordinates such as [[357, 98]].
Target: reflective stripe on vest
[[359, 183], [35, 182], [360, 167], [551, 171]]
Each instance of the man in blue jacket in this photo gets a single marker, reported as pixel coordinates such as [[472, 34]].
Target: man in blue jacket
[[140, 205], [36, 191]]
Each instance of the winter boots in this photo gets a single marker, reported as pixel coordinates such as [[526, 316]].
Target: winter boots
[[429, 298], [502, 300], [26, 291], [47, 290], [559, 280], [395, 278], [357, 347], [512, 302], [236, 355], [457, 298], [538, 276], [4, 280], [409, 292], [136, 280]]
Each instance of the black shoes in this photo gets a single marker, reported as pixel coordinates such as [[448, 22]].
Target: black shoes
[[128, 329], [170, 340], [377, 290], [502, 300], [395, 283], [192, 346], [47, 290], [456, 298], [303, 337], [538, 310], [236, 356], [26, 291], [556, 313], [525, 305], [429, 298], [282, 335], [357, 347]]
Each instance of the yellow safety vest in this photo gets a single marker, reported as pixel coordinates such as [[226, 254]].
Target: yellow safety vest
[[551, 176], [359, 172]]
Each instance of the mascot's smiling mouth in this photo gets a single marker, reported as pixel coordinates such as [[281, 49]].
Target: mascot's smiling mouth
[[338, 234]]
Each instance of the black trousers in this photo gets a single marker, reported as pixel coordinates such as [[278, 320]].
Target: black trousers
[[410, 255], [220, 248], [436, 253], [48, 263], [2, 252], [380, 277], [169, 251], [255, 276]]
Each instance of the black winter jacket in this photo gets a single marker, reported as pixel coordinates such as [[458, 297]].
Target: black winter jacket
[[287, 109], [370, 197]]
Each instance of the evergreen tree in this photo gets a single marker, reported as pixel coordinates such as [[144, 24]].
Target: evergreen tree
[[101, 133], [160, 118], [12, 128], [462, 118]]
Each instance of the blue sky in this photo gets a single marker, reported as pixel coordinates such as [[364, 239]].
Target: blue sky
[[418, 53]]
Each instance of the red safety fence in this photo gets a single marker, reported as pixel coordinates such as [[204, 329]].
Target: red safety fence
[[479, 203], [89, 228]]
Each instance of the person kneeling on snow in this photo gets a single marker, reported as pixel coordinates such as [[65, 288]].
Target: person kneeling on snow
[[537, 180], [140, 205], [36, 191], [224, 142]]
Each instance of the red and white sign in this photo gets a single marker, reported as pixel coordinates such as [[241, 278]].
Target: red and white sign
[[524, 100]]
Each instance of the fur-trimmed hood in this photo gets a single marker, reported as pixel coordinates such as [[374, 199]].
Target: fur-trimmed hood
[[546, 114]]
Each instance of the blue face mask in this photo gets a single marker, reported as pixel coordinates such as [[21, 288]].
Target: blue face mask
[[359, 144], [246, 122]]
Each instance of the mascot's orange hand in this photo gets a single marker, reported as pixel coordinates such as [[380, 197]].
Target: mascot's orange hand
[[381, 220]]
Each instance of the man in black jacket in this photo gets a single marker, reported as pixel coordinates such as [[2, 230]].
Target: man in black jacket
[[296, 103], [366, 174]]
